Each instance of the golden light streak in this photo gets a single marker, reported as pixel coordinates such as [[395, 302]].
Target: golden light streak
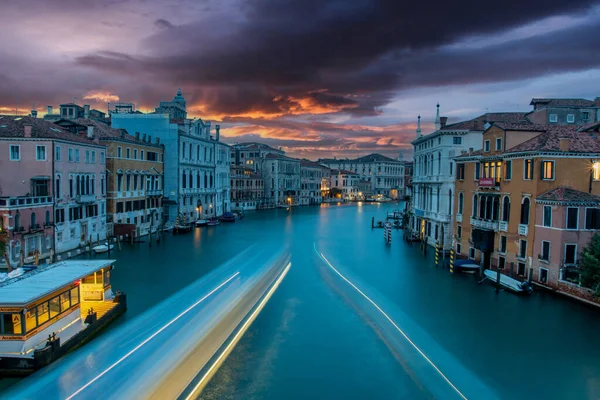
[[391, 322], [81, 389], [204, 380]]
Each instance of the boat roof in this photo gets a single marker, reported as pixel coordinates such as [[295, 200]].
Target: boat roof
[[39, 283]]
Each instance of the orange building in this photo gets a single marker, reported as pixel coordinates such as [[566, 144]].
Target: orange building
[[497, 188]]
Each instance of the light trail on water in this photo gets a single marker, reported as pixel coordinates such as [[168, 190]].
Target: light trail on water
[[152, 336], [390, 320]]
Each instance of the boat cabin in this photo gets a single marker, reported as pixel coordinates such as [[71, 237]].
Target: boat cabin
[[52, 301]]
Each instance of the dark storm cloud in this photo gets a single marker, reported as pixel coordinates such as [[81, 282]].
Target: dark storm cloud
[[349, 56], [163, 24]]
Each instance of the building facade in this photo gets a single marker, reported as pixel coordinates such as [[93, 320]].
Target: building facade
[[247, 188], [516, 209], [282, 180], [564, 111], [347, 182], [313, 178], [434, 173], [252, 154]]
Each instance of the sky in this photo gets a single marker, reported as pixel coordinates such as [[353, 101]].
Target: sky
[[321, 78]]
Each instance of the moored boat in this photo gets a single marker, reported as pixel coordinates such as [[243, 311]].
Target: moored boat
[[53, 310], [182, 228], [509, 283], [213, 222], [103, 248], [227, 217], [202, 222]]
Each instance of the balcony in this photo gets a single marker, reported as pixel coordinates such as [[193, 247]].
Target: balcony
[[85, 198], [488, 183], [25, 201], [484, 224], [156, 192], [503, 226], [437, 216], [432, 178], [523, 229]]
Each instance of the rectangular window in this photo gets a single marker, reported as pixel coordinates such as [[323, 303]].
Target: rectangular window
[[76, 155], [508, 170], [54, 307], [135, 154], [472, 253], [547, 220], [592, 218], [498, 143], [57, 153], [102, 157], [458, 248], [548, 170], [127, 153], [119, 152], [74, 296], [87, 156], [456, 140], [460, 171], [585, 116], [545, 251], [59, 215], [572, 218], [522, 248], [141, 154], [43, 313], [71, 157], [486, 146], [571, 118], [93, 157], [553, 118], [528, 169], [501, 262], [459, 231], [570, 254], [521, 269], [502, 248], [544, 275], [596, 171], [15, 152], [40, 153], [477, 171]]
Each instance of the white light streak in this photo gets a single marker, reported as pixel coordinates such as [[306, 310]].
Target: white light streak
[[151, 337], [239, 334], [391, 322]]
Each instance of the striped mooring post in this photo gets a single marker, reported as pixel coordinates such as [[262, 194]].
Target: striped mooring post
[[452, 260], [387, 233], [437, 254]]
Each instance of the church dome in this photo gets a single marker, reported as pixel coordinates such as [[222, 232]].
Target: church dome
[[179, 97]]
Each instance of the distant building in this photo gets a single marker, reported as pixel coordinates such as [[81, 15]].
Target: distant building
[[175, 108], [74, 111], [282, 179], [564, 111], [312, 176], [247, 188], [252, 154], [347, 182]]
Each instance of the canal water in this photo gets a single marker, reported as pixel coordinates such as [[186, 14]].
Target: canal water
[[356, 318]]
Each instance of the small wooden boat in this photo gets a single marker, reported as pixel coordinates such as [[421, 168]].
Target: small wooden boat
[[213, 222], [509, 283], [202, 222], [103, 248], [182, 228], [468, 267], [227, 217]]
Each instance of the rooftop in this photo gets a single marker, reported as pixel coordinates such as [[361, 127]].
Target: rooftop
[[14, 127], [280, 157], [104, 131], [561, 102], [308, 163], [37, 284], [343, 172], [549, 141], [254, 146], [568, 195], [478, 123]]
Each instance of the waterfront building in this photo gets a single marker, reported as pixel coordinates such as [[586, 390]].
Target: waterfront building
[[191, 187], [54, 196], [385, 174], [564, 111], [528, 202], [434, 172], [282, 180], [134, 173], [252, 154], [408, 177], [347, 182], [247, 188], [313, 179]]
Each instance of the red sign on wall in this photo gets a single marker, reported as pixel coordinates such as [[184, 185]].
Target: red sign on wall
[[486, 182]]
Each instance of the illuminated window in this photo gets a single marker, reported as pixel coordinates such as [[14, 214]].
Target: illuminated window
[[596, 171], [528, 169], [547, 170]]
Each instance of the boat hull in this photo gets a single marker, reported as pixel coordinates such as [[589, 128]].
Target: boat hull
[[509, 283]]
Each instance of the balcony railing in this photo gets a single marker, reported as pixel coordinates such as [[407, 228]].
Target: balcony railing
[[153, 192], [503, 226], [25, 201], [86, 198], [484, 224], [523, 229]]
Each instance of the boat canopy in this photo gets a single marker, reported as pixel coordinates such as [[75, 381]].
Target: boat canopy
[[34, 285]]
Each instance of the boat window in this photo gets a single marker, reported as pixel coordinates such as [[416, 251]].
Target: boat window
[[54, 307], [11, 323], [98, 276], [42, 312], [64, 301], [89, 279], [74, 296], [30, 320], [106, 277]]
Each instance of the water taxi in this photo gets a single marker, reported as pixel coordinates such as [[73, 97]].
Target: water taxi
[[53, 309], [509, 283]]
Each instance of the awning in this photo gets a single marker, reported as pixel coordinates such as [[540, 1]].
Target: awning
[[40, 178]]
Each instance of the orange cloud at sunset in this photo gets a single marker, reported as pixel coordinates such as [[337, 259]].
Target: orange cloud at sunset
[[104, 97]]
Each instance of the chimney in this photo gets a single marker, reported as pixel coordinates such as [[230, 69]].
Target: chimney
[[149, 139], [49, 110], [217, 129], [563, 144], [443, 121], [597, 102], [90, 132], [28, 128], [157, 140], [144, 138], [34, 113], [123, 133], [470, 149], [86, 111], [137, 136]]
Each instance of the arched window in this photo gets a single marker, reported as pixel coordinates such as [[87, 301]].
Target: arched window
[[33, 219], [183, 180], [47, 217], [525, 211], [505, 208], [87, 184], [78, 185], [205, 180], [475, 205], [437, 205], [495, 208], [198, 173], [461, 202]]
